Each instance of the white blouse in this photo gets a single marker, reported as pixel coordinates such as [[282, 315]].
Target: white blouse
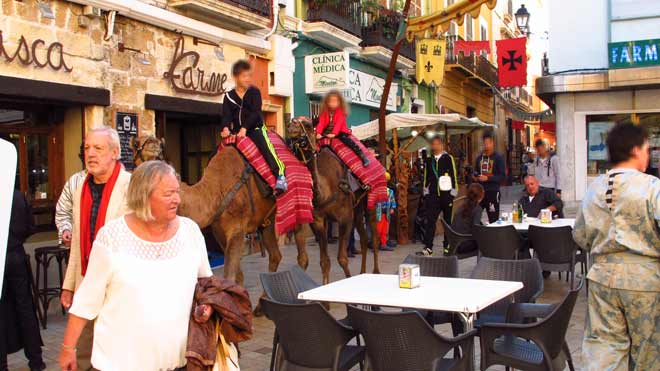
[[141, 294]]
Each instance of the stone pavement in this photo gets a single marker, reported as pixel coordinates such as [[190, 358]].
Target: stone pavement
[[256, 352]]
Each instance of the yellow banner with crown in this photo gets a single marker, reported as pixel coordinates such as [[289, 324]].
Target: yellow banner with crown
[[430, 64]]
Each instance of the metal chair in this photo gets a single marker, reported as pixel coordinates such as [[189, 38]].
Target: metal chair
[[310, 337], [405, 341], [555, 249], [457, 240], [537, 346], [498, 242], [527, 271]]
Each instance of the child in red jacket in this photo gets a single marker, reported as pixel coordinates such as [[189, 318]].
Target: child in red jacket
[[332, 123]]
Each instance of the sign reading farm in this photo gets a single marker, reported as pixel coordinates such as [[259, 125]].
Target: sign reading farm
[[639, 53], [367, 90], [325, 72]]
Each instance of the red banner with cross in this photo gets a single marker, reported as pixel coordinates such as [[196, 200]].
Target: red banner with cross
[[512, 62]]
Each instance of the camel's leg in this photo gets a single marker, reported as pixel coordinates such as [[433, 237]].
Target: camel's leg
[[321, 232], [301, 244], [364, 238], [233, 254], [375, 240], [345, 230], [269, 241]]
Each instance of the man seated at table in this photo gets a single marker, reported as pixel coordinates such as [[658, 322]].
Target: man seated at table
[[537, 199]]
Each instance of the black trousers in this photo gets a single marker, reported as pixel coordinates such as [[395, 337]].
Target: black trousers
[[491, 203], [17, 298], [348, 142], [433, 205], [258, 137]]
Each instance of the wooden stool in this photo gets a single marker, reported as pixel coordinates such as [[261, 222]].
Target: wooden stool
[[43, 256]]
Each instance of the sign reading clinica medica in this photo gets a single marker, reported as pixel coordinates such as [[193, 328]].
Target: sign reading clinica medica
[[639, 53], [367, 90], [324, 72]]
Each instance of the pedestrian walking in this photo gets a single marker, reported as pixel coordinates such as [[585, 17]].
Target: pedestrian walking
[[384, 211], [140, 281], [100, 198], [617, 224], [19, 327], [490, 172], [440, 187], [547, 168]]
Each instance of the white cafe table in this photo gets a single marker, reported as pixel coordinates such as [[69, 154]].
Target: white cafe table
[[460, 295], [524, 226]]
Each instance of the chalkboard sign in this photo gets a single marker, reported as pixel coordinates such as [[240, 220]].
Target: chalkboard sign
[[127, 127]]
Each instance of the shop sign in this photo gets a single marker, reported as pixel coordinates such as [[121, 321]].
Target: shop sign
[[640, 53], [367, 90], [26, 54], [325, 72], [185, 76], [127, 128]]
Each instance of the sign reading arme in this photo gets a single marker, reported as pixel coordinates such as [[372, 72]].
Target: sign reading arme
[[192, 79], [639, 53], [324, 72], [26, 54]]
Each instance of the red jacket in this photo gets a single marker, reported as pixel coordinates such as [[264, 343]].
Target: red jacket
[[339, 121]]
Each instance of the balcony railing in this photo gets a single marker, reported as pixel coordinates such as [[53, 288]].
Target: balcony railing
[[343, 14], [381, 28], [261, 7], [478, 65]]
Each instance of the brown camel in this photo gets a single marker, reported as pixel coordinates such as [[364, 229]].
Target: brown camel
[[202, 203], [147, 148], [333, 199]]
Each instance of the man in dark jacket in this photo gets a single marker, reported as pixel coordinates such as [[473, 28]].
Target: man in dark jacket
[[538, 198], [18, 321], [242, 116], [490, 172], [439, 196]]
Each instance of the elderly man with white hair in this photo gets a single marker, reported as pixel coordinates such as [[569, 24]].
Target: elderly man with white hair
[[98, 200]]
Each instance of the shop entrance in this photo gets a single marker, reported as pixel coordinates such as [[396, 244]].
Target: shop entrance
[[36, 132], [190, 142]]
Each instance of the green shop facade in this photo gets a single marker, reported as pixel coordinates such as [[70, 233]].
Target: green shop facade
[[319, 69]]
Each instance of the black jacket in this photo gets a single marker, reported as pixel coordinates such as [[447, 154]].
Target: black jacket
[[433, 170], [544, 199], [21, 224], [240, 113], [494, 169]]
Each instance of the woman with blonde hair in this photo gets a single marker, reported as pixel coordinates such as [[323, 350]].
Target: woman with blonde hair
[[140, 285], [332, 123]]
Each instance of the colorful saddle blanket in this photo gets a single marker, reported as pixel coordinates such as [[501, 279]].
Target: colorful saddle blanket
[[294, 206], [373, 176]]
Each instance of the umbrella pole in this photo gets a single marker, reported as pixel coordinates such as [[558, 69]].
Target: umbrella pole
[[382, 142]]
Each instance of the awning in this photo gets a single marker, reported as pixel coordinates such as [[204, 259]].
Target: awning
[[455, 123]]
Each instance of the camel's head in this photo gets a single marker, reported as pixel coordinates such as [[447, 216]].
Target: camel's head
[[147, 148], [302, 137]]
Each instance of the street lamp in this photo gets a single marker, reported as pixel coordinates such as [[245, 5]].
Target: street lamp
[[522, 19]]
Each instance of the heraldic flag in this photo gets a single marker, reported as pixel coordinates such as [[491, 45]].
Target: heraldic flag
[[430, 66], [512, 62]]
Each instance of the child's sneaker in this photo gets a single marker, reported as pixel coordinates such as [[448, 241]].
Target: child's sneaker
[[281, 184]]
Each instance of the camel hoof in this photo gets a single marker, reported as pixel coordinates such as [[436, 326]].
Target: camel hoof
[[257, 312]]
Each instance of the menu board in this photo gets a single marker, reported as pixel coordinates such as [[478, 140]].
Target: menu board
[[127, 127]]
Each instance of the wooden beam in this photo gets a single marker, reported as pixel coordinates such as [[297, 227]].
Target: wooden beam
[[51, 92], [172, 104]]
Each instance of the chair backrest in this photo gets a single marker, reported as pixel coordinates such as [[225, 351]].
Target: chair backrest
[[552, 329], [308, 334], [435, 266], [303, 279], [498, 242], [553, 245], [454, 238], [397, 340], [282, 286], [527, 271]]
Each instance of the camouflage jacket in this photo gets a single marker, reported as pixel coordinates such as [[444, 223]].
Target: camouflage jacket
[[618, 224]]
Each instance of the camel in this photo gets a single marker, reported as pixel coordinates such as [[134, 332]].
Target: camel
[[333, 199], [146, 148], [202, 202]]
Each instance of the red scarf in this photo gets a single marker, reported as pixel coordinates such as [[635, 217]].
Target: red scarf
[[86, 210]]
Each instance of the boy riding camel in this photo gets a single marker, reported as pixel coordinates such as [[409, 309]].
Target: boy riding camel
[[241, 116]]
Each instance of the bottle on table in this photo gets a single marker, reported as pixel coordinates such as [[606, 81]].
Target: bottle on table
[[515, 213], [520, 213]]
